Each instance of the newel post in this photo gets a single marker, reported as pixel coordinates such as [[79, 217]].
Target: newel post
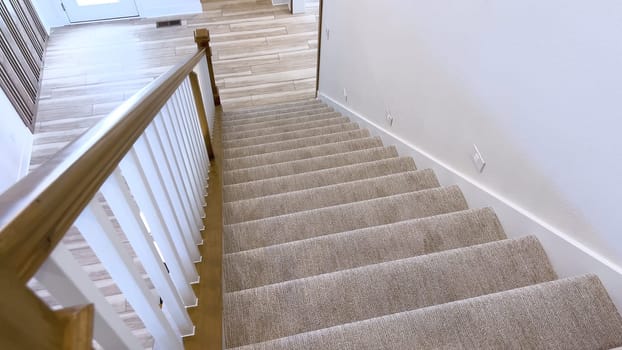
[[201, 37]]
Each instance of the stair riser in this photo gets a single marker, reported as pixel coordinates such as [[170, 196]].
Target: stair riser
[[295, 144], [316, 179], [305, 165], [569, 314], [319, 222], [257, 121], [298, 154], [274, 311], [347, 250], [294, 135], [243, 112], [279, 122], [350, 192], [284, 129], [272, 112]]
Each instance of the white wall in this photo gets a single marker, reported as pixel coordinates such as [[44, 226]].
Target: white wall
[[52, 14], [536, 85], [15, 143], [157, 8]]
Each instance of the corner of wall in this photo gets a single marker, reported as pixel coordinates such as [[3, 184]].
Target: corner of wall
[[16, 141], [567, 256]]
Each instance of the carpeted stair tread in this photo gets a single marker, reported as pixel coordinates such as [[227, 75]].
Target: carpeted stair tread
[[303, 305], [279, 146], [279, 122], [341, 218], [570, 314], [351, 249], [319, 178], [305, 165], [292, 135], [301, 153], [273, 107], [267, 112], [284, 117], [333, 241], [231, 136], [355, 191], [247, 109]]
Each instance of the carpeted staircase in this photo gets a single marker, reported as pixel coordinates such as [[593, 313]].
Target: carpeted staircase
[[333, 241]]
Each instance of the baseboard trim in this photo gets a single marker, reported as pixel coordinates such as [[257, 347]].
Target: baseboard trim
[[568, 256]]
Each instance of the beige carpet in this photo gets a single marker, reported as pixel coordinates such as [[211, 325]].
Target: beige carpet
[[333, 241]]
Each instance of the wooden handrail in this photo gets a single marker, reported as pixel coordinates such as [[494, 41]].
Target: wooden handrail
[[37, 211]]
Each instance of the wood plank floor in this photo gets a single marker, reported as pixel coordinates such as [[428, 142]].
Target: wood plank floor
[[261, 53]]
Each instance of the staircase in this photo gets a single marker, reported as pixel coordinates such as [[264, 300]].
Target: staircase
[[334, 241]]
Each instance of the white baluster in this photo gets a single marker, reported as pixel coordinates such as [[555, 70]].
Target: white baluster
[[172, 145], [176, 170], [196, 125], [70, 285], [104, 240], [144, 191], [203, 72], [196, 145], [193, 161], [174, 155], [193, 129], [127, 214], [157, 153]]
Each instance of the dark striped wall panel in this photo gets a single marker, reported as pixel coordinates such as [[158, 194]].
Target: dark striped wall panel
[[22, 42]]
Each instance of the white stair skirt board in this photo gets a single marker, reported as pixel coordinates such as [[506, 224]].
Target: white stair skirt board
[[569, 257]]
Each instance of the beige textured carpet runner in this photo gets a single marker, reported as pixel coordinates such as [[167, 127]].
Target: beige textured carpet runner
[[334, 241]]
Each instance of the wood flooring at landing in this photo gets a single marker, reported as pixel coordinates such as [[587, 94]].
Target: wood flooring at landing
[[261, 54]]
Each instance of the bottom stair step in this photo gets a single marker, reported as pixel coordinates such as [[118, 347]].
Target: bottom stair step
[[288, 308], [347, 250], [570, 314]]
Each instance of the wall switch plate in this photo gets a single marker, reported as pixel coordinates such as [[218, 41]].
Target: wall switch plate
[[327, 34], [478, 160], [345, 94], [389, 118]]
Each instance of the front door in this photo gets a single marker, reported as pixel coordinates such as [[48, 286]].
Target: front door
[[94, 10]]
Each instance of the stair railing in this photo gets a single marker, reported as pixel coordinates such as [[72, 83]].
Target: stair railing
[[145, 165]]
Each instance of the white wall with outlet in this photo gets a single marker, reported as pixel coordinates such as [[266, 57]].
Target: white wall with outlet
[[15, 143], [534, 85]]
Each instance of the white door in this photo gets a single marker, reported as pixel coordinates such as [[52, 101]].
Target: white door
[[94, 10]]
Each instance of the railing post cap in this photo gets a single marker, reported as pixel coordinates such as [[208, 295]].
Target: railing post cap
[[201, 35]]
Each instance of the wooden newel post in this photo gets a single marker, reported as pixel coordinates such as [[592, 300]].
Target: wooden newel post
[[201, 37]]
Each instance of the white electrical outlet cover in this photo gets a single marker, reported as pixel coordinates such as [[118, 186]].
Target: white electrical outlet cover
[[478, 159]]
